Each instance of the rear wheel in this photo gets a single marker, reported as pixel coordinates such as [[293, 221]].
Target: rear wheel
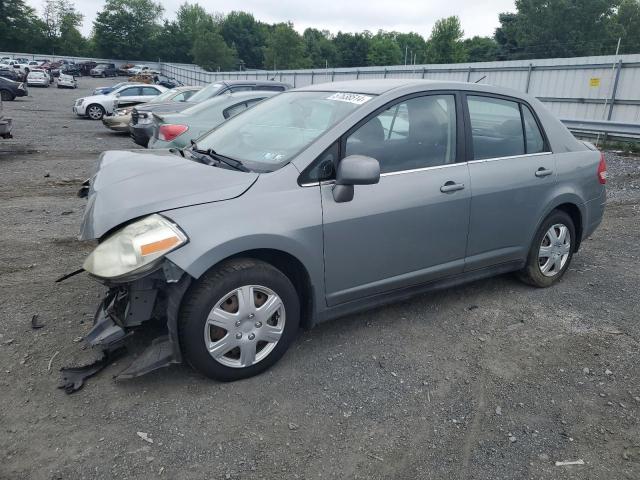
[[551, 251], [238, 319], [95, 111], [7, 96]]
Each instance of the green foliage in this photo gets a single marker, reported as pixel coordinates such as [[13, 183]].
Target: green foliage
[[20, 28], [445, 44], [412, 46], [628, 19], [285, 49], [481, 49], [353, 48], [127, 29], [384, 50], [247, 35], [210, 50], [320, 48]]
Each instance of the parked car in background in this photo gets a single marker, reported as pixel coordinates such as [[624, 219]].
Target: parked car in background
[[313, 204], [71, 69], [177, 130], [86, 67], [9, 89], [6, 123], [103, 70], [10, 73], [141, 123], [96, 106], [123, 70], [107, 90], [121, 118], [167, 81], [38, 78], [67, 81], [136, 70]]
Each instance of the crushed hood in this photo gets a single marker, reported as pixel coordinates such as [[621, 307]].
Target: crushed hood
[[131, 184]]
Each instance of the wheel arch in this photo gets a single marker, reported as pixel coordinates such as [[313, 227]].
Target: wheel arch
[[572, 205]]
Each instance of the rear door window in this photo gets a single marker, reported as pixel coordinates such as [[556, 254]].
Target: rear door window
[[149, 91], [534, 138], [496, 127], [130, 92], [234, 110]]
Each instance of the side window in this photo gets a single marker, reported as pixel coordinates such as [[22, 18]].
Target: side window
[[496, 127], [187, 95], [535, 141], [241, 88], [416, 133], [130, 92], [181, 97], [323, 168], [149, 91], [233, 110], [271, 88]]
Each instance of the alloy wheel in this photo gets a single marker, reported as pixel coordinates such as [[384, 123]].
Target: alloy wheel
[[244, 326], [554, 250], [95, 112]]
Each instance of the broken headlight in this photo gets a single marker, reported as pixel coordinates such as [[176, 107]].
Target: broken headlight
[[134, 247]]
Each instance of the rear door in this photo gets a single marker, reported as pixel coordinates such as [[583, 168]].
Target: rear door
[[512, 174], [411, 227], [129, 96]]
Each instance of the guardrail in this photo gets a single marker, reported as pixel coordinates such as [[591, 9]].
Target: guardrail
[[606, 127]]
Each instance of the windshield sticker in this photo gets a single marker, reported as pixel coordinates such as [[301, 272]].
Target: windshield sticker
[[356, 98]]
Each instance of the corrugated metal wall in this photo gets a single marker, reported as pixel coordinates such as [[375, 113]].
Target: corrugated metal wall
[[573, 88]]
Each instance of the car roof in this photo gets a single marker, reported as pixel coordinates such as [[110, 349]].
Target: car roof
[[252, 82], [187, 88], [407, 85]]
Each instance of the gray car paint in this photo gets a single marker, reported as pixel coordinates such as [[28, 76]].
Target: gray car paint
[[397, 234]]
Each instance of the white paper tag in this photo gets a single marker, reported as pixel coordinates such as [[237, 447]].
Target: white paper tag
[[356, 98]]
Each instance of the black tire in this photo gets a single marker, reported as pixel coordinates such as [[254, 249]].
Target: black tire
[[7, 96], [211, 289], [532, 272], [93, 105]]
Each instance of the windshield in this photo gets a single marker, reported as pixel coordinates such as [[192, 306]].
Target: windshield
[[207, 92], [274, 131]]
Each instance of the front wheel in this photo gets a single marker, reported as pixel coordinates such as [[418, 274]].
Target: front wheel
[[6, 95], [238, 319], [95, 112], [551, 251]]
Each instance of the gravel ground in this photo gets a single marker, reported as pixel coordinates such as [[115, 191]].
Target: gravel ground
[[490, 380]]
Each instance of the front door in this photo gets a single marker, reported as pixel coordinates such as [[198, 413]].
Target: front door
[[512, 177], [412, 226]]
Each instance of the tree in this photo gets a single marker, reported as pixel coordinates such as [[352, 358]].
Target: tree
[[481, 49], [247, 35], [177, 37], [127, 29], [20, 28], [285, 49], [209, 48], [412, 46], [352, 48], [559, 28], [445, 44], [628, 19], [320, 48], [383, 50], [62, 27]]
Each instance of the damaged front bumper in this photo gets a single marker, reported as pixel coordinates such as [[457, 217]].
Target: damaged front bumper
[[154, 299]]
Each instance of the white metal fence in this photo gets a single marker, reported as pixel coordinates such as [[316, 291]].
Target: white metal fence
[[584, 88]]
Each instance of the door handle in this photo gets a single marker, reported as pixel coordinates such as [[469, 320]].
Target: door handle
[[451, 187], [543, 172]]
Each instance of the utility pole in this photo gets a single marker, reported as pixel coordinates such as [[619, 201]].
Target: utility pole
[[406, 50]]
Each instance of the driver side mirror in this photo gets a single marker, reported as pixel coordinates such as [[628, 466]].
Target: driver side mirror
[[354, 170]]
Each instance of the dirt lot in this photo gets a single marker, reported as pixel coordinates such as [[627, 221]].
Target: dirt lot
[[492, 380]]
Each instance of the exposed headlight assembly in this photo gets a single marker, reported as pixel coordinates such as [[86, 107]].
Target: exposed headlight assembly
[[134, 248], [144, 119]]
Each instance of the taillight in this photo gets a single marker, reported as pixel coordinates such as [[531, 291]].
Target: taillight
[[169, 132], [602, 169]]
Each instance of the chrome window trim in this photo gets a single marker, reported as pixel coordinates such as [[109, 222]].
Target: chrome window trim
[[483, 160], [446, 165]]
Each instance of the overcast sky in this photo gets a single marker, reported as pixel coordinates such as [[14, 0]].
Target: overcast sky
[[477, 17]]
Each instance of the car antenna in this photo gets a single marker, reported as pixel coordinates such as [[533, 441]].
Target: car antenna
[[480, 79]]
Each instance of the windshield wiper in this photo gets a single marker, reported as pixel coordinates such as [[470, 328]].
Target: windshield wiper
[[211, 153]]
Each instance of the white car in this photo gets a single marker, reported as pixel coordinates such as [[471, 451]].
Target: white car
[[38, 78], [137, 69], [67, 81], [97, 106]]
